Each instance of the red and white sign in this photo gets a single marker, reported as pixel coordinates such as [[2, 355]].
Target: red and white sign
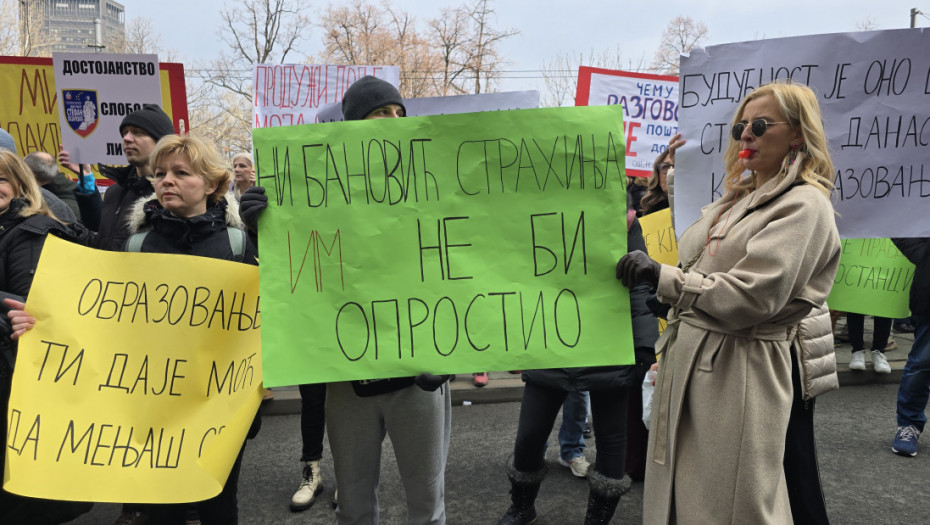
[[650, 110]]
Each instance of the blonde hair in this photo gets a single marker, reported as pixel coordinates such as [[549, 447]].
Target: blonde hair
[[24, 185], [798, 104], [204, 160]]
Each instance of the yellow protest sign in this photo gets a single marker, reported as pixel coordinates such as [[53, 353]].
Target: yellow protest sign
[[139, 383], [660, 236]]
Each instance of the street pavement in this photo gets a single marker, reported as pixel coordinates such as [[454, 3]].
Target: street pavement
[[864, 482]]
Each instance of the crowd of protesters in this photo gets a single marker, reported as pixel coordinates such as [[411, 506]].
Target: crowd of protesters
[[748, 328]]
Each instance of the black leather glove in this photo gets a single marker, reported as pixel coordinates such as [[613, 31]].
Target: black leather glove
[[251, 204], [637, 267], [430, 382]]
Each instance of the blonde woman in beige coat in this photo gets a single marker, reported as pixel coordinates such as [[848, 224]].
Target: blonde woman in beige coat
[[756, 263]]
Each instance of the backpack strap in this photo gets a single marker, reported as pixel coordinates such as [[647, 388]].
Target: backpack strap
[[135, 241], [237, 242]]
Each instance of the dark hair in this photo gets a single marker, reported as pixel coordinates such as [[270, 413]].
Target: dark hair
[[654, 192]]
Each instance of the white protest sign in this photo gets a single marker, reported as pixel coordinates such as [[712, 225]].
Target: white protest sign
[[95, 93], [650, 110], [874, 93], [292, 94], [418, 107]]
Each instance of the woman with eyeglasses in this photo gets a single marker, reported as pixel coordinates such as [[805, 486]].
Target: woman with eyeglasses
[[747, 314], [656, 197]]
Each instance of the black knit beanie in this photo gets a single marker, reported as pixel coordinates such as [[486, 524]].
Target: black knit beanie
[[368, 94], [150, 119]]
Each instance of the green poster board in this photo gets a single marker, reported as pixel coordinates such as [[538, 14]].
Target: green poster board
[[874, 278], [447, 244]]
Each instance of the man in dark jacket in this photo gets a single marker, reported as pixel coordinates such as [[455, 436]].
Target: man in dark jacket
[[140, 130], [914, 390]]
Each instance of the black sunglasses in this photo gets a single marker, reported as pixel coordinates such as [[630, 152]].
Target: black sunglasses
[[757, 127]]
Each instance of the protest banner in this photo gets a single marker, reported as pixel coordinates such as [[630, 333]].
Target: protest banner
[[874, 278], [650, 110], [30, 112], [423, 106], [138, 383], [448, 244], [293, 94], [95, 93], [660, 236], [873, 89]]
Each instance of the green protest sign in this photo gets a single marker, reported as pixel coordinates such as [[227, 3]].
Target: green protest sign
[[874, 278], [447, 244]]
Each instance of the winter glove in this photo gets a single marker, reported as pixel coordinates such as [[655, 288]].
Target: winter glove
[[430, 382], [251, 204], [636, 267]]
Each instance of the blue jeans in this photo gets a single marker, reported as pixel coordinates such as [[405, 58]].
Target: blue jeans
[[915, 381], [571, 433]]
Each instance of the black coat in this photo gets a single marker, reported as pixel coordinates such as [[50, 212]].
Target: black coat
[[204, 235], [645, 334], [118, 201], [917, 251], [21, 242]]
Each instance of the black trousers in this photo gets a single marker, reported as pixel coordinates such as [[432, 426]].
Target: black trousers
[[802, 473], [222, 509], [312, 420], [538, 411]]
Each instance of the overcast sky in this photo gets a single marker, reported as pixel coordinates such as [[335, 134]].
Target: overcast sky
[[547, 27]]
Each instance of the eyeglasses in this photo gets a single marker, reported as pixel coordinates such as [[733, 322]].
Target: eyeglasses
[[665, 166], [757, 127]]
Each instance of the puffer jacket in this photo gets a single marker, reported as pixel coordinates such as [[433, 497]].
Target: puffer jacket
[[813, 345], [645, 334], [204, 235]]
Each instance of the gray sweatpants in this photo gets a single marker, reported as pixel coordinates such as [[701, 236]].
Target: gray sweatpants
[[419, 424]]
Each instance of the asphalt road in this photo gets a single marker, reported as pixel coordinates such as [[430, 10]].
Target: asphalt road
[[863, 480]]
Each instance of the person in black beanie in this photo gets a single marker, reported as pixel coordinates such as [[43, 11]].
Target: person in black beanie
[[140, 131], [415, 412]]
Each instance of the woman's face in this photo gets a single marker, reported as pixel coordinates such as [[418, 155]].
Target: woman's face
[[243, 173], [663, 174], [765, 153], [7, 191], [178, 189]]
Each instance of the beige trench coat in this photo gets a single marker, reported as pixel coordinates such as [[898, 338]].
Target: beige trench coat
[[723, 393]]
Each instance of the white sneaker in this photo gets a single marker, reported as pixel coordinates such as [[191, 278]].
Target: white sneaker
[[310, 486], [858, 360], [879, 363], [579, 466]]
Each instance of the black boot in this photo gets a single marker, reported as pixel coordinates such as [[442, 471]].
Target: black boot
[[524, 486], [604, 496]]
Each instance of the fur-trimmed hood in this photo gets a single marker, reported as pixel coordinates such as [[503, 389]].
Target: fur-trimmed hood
[[138, 221]]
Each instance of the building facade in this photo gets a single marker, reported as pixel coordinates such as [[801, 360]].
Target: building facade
[[71, 25]]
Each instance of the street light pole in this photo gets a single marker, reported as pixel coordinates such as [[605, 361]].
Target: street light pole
[[914, 13]]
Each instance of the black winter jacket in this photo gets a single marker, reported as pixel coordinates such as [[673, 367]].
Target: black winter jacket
[[21, 242], [645, 334], [917, 251], [118, 201], [204, 235]]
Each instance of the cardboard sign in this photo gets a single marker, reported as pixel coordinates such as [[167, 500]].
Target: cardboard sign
[[660, 236], [873, 92], [138, 383], [30, 113], [95, 93], [293, 94], [874, 278], [650, 110], [448, 244]]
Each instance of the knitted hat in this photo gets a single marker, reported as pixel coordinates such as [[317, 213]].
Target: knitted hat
[[150, 119], [7, 142], [368, 94]]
